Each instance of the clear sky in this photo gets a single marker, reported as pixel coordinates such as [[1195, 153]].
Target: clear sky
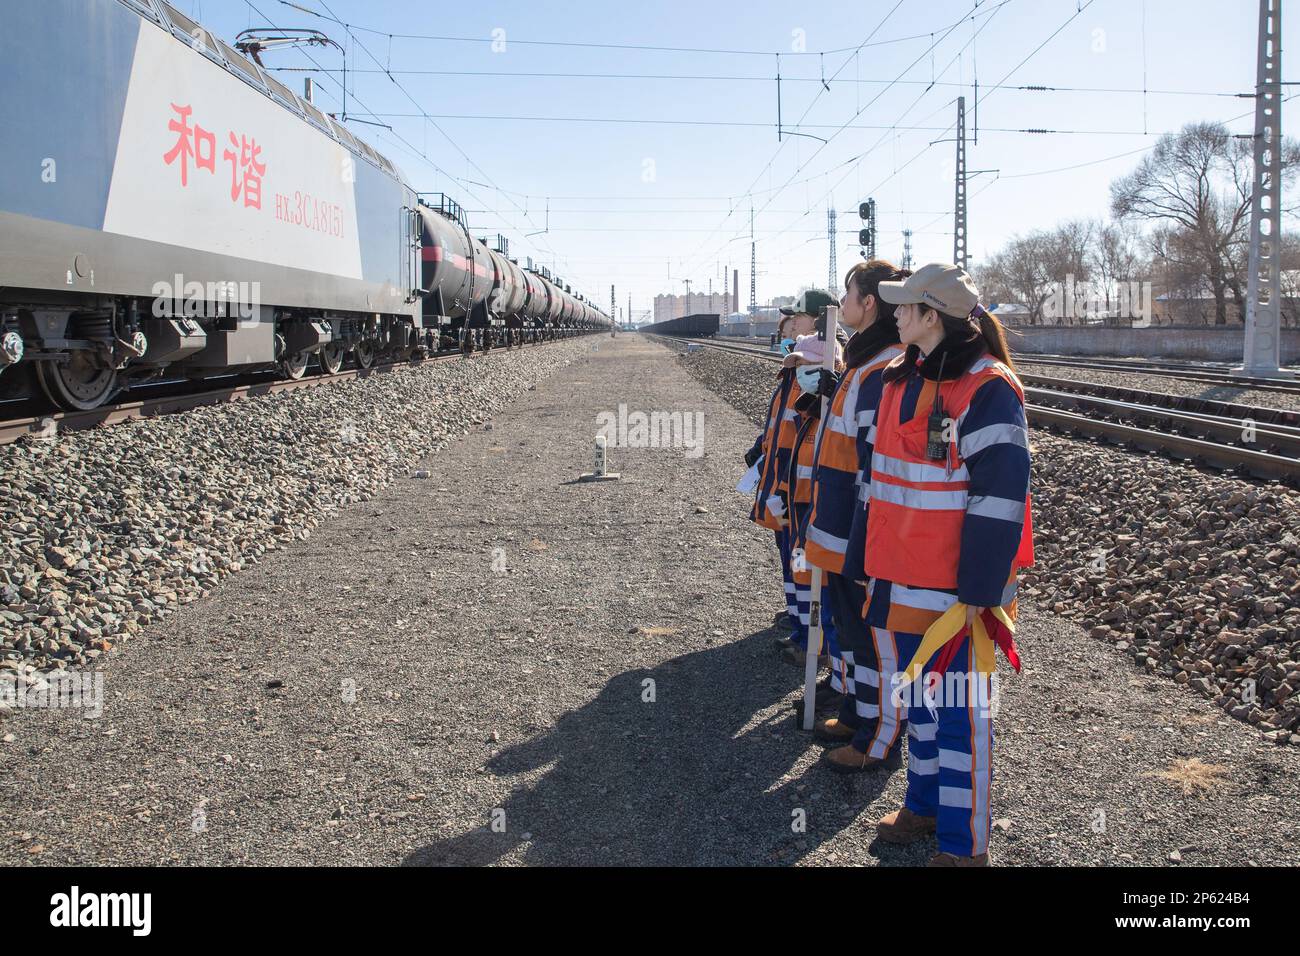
[[664, 195]]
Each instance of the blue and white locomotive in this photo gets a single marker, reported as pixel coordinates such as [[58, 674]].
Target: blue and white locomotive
[[167, 208]]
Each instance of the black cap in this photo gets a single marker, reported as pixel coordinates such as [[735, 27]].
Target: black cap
[[811, 303]]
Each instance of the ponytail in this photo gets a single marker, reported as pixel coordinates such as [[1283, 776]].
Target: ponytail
[[994, 335]]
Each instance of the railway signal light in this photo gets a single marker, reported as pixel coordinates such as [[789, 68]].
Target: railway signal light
[[867, 236]]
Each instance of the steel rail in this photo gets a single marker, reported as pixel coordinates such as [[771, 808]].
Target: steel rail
[[1251, 461], [51, 424]]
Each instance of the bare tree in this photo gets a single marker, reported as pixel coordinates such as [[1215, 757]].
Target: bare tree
[[1115, 257], [1182, 272], [1199, 180], [1027, 271], [1290, 263]]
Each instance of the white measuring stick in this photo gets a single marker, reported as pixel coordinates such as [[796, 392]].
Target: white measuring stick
[[815, 597]]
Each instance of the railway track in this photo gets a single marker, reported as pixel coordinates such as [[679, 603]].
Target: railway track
[[1260, 442], [50, 424], [1185, 371]]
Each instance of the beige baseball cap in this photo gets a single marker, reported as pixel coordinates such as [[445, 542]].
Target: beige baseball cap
[[939, 285]]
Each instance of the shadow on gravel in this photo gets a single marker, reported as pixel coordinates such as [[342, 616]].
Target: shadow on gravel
[[702, 776]]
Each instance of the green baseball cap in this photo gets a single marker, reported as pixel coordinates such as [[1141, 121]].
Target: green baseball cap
[[812, 303]]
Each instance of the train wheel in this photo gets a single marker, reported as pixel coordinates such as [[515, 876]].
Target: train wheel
[[294, 366], [78, 384], [331, 359], [364, 352]]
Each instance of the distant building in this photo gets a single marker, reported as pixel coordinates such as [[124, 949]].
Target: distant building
[[693, 303], [1011, 313]]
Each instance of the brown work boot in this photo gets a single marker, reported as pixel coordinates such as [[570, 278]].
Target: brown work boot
[[849, 759], [832, 730], [951, 859], [904, 826]]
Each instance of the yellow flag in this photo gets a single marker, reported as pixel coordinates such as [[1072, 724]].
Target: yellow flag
[[949, 626]]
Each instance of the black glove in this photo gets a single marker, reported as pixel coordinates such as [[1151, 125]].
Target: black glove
[[828, 383], [753, 455]]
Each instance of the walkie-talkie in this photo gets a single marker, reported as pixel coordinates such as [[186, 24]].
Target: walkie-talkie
[[936, 448], [936, 443]]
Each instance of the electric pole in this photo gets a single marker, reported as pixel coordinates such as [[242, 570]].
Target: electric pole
[[907, 248], [753, 267], [833, 282], [1264, 279], [959, 203]]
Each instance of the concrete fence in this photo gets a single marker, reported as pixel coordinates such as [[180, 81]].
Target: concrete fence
[[1181, 342]]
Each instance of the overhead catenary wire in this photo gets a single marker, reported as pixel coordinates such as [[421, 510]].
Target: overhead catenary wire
[[756, 78], [591, 45], [647, 121], [555, 256], [696, 256], [415, 102], [1034, 52], [855, 161], [412, 150], [1046, 90]]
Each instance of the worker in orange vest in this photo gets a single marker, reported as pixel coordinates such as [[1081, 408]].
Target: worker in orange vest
[[947, 527], [833, 538], [771, 451], [807, 358]]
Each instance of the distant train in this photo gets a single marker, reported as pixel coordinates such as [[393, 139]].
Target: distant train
[[701, 326], [169, 209]]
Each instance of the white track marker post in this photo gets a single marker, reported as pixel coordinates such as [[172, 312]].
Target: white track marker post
[[601, 464], [815, 595]]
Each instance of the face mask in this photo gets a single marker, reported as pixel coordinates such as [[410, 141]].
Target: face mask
[[787, 345], [809, 376]]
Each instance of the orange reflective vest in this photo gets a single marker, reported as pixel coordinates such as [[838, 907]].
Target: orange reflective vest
[[918, 505], [801, 471], [778, 440], [802, 456]]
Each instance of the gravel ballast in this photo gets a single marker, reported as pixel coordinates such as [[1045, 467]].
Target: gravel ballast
[[108, 530], [497, 664]]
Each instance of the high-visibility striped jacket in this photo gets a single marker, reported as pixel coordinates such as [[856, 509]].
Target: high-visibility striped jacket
[[800, 480], [802, 456], [842, 457], [957, 529], [777, 440]]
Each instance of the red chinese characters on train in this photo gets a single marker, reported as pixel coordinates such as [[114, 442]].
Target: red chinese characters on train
[[189, 143], [244, 156], [245, 160]]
